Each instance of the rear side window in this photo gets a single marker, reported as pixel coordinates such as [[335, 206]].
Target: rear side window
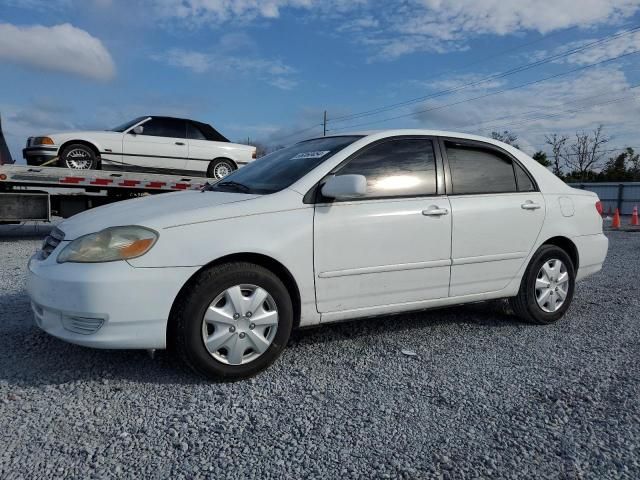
[[475, 170], [164, 127], [524, 181], [194, 133], [401, 167]]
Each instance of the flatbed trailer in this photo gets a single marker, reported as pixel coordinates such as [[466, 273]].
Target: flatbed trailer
[[38, 193]]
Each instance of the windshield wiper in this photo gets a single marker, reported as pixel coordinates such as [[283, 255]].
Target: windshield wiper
[[240, 187]]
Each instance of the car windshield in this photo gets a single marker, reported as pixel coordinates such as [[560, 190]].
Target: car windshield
[[282, 168], [127, 125]]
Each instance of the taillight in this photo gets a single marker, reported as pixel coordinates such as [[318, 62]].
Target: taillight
[[599, 207], [254, 155]]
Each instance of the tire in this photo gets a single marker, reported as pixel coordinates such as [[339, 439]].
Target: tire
[[189, 328], [526, 304], [219, 166], [78, 157]]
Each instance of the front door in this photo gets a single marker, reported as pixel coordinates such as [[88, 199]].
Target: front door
[[161, 147], [392, 246], [497, 214]]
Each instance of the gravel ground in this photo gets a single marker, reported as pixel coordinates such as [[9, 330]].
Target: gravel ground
[[485, 396]]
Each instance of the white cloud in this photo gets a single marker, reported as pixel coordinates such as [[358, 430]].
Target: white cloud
[[199, 12], [446, 25], [62, 48], [563, 106], [448, 19], [622, 44], [392, 29], [283, 83], [275, 72]]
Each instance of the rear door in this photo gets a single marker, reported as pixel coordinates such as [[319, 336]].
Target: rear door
[[497, 214], [161, 147]]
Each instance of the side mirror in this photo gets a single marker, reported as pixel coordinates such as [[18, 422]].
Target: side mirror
[[344, 187], [137, 130]]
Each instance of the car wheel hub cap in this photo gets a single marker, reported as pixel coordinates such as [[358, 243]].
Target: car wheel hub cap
[[222, 171], [78, 159], [552, 285], [240, 324]]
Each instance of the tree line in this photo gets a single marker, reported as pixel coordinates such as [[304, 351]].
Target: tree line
[[583, 157]]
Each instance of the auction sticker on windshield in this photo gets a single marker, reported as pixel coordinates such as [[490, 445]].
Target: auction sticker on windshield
[[316, 154]]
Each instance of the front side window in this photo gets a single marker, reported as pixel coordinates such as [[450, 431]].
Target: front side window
[[278, 170], [396, 168], [164, 127], [475, 170]]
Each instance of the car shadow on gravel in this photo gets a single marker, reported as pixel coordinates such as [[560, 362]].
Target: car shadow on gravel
[[486, 314], [32, 358]]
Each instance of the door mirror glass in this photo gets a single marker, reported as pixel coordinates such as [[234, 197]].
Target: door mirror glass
[[137, 130], [345, 186]]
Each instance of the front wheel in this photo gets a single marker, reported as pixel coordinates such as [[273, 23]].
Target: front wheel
[[220, 168], [547, 286], [78, 157], [233, 322]]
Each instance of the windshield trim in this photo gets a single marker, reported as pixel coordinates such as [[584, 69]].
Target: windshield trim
[[122, 128]]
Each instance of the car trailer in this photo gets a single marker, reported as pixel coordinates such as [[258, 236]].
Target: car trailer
[[36, 193]]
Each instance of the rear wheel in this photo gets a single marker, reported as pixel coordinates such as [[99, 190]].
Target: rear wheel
[[547, 286], [78, 157], [220, 168], [233, 322]]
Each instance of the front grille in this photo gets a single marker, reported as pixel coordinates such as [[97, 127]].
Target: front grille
[[82, 325], [51, 242]]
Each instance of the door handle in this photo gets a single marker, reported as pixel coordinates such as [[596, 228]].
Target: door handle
[[435, 211], [529, 205], [179, 143]]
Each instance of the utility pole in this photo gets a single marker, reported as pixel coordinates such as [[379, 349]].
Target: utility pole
[[324, 124]]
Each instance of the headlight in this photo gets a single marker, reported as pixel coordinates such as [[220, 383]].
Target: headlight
[[42, 141], [109, 245]]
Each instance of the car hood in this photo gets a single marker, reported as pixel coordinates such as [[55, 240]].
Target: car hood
[[59, 137], [158, 211]]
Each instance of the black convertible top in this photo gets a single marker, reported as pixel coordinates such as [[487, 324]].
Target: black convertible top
[[207, 130]]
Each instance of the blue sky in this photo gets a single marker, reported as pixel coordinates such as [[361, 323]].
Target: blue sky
[[268, 69]]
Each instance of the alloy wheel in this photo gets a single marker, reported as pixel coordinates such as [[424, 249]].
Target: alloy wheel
[[221, 170], [78, 159]]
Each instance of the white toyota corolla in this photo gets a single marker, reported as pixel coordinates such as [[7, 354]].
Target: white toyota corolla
[[328, 229]]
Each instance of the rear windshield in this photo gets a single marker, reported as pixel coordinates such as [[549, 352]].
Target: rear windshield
[[284, 167]]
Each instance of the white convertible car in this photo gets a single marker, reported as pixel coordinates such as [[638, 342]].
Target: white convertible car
[[149, 144], [328, 229]]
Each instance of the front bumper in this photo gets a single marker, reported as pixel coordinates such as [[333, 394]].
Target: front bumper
[[39, 154], [104, 305]]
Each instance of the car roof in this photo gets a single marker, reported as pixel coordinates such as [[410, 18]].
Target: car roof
[[415, 131]]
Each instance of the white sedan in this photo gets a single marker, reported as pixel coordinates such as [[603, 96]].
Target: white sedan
[[146, 144], [329, 229]]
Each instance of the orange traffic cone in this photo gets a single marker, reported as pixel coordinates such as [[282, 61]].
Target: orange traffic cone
[[634, 217], [616, 220]]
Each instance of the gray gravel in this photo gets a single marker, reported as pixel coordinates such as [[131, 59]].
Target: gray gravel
[[484, 396]]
